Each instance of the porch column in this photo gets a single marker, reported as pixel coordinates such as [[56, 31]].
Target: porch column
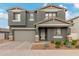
[[37, 34]]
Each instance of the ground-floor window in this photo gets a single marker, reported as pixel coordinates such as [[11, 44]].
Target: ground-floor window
[[58, 32]]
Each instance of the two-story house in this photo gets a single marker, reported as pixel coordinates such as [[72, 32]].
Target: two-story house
[[45, 24]]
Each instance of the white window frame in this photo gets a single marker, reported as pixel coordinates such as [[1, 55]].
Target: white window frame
[[50, 14], [17, 17], [54, 14], [31, 17], [46, 15]]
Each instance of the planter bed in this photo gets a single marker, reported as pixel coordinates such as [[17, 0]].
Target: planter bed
[[50, 46]]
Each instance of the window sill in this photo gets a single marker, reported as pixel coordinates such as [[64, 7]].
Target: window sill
[[15, 20]]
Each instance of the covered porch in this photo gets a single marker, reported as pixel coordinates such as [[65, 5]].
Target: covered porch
[[52, 33], [52, 29]]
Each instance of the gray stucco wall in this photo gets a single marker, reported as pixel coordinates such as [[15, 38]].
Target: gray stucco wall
[[40, 16], [75, 27], [20, 23], [30, 23], [64, 32], [51, 32], [61, 15]]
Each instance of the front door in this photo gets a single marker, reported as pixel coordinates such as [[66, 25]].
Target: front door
[[43, 34]]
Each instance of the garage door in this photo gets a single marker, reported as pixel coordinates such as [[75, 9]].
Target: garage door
[[25, 35], [2, 36]]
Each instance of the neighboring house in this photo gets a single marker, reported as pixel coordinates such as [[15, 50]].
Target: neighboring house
[[75, 26], [4, 33], [45, 24]]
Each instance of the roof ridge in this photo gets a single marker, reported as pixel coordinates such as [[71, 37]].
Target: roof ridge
[[52, 5], [74, 18]]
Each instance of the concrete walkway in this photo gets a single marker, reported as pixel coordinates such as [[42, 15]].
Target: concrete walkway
[[23, 48]]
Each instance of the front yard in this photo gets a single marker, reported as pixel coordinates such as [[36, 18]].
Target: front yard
[[65, 44], [4, 41]]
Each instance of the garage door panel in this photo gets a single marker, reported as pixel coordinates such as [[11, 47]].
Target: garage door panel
[[2, 36], [24, 35]]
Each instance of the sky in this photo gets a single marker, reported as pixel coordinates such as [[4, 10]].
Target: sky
[[72, 10]]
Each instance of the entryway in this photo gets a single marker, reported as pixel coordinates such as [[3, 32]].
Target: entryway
[[51, 33], [43, 34]]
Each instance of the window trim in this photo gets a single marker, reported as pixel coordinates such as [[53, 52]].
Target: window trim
[[14, 16], [50, 13], [31, 17]]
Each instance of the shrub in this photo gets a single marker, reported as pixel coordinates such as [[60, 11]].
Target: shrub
[[65, 42], [57, 44], [77, 46], [69, 45], [68, 33], [74, 42]]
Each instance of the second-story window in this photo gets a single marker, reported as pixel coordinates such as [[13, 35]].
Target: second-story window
[[54, 14], [46, 15], [31, 17], [16, 17], [49, 15]]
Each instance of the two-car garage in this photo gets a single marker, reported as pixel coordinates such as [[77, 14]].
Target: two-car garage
[[24, 35]]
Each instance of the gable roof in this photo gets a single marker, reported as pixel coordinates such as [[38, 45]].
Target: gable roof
[[74, 18], [4, 30], [19, 8], [53, 6], [46, 20]]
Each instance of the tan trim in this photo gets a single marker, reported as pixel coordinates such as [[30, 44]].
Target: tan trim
[[53, 25], [45, 20], [23, 28], [53, 6]]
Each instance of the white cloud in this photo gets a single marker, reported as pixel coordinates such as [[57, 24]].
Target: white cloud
[[45, 4], [76, 5], [62, 6], [68, 15], [7, 27], [3, 15]]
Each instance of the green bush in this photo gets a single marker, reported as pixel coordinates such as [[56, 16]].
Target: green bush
[[77, 46], [57, 44], [68, 33], [69, 45], [74, 42], [65, 42]]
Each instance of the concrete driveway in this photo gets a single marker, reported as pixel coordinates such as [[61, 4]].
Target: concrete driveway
[[23, 48]]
